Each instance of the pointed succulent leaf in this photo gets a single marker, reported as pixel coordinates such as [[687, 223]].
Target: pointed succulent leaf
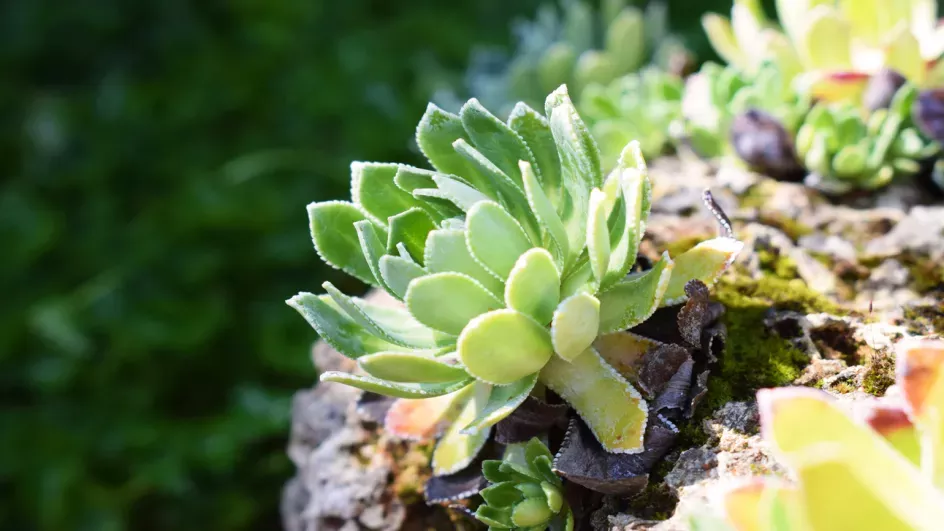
[[498, 142], [455, 450], [495, 238], [545, 212], [580, 166], [397, 272], [501, 495], [423, 418], [410, 228], [533, 286], [435, 134], [575, 325], [635, 193], [448, 301], [502, 401], [536, 132], [614, 411], [704, 262], [491, 469], [633, 300], [503, 346], [373, 245], [836, 458], [335, 239], [460, 193], [446, 251], [410, 367], [921, 378], [555, 500], [598, 235], [336, 327], [543, 466], [373, 189], [494, 518], [409, 178], [395, 389], [394, 325], [625, 352]]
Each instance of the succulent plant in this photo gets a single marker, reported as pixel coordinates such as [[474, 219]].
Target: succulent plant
[[574, 45], [644, 106], [884, 470], [524, 492], [832, 47], [844, 151], [512, 257]]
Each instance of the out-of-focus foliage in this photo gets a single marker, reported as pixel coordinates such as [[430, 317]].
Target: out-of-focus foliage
[[157, 158]]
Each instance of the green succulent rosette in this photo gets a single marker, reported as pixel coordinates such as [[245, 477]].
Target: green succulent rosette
[[511, 257]]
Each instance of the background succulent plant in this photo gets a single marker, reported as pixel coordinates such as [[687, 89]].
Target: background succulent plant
[[511, 258], [833, 47], [890, 465], [644, 106]]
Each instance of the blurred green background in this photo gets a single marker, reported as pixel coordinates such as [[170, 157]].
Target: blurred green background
[[157, 157]]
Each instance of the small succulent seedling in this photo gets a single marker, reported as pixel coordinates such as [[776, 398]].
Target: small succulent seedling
[[883, 472], [511, 258], [524, 492], [833, 48]]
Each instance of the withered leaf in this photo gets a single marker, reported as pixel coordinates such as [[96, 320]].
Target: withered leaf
[[532, 418]]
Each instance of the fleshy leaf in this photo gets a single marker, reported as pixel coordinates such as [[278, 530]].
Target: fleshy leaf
[[397, 273], [461, 194], [399, 390], [575, 325], [624, 351], [837, 460], [410, 367], [501, 495], [705, 262], [721, 36], [494, 518], [614, 411], [446, 251], [502, 401], [555, 500], [536, 132], [495, 238], [531, 512], [409, 178], [545, 212], [533, 286], [896, 427], [635, 192], [335, 239], [373, 247], [448, 301], [921, 378], [423, 418], [826, 43], [498, 142], [390, 324], [598, 235], [503, 346], [410, 228], [435, 134], [336, 328], [455, 450], [374, 190], [633, 300]]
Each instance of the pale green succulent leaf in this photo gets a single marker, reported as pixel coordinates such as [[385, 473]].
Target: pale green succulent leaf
[[502, 401], [410, 228], [336, 328], [503, 346], [530, 490], [546, 213], [598, 235], [705, 262], [633, 300], [625, 40], [373, 189], [435, 135], [827, 40], [635, 194], [495, 238], [721, 36], [397, 273], [335, 238], [580, 279], [455, 450], [410, 367], [555, 500], [543, 466], [409, 178], [373, 245], [461, 194], [536, 132], [448, 301], [533, 286], [575, 325], [556, 65], [614, 411], [495, 140], [438, 205], [394, 389], [531, 512], [446, 251]]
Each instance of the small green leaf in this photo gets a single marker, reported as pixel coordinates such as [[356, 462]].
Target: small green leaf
[[575, 325], [491, 469], [410, 228], [501, 495], [555, 500], [502, 401], [626, 40], [435, 135], [397, 272], [374, 190], [534, 449], [498, 142], [494, 518], [398, 390], [495, 238], [409, 178], [372, 245], [543, 466], [536, 133], [545, 212], [531, 512], [635, 194], [533, 286], [705, 262], [336, 327], [446, 251], [598, 237], [633, 300], [461, 194], [410, 368], [335, 239], [503, 346], [455, 450], [448, 301], [530, 490]]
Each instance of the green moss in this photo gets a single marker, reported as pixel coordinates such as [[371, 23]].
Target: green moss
[[926, 275], [925, 319], [879, 373], [655, 502], [776, 264]]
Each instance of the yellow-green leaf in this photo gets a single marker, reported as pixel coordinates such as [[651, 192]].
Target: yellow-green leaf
[[633, 300], [495, 238], [448, 301], [705, 262], [503, 346], [575, 325], [533, 286]]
